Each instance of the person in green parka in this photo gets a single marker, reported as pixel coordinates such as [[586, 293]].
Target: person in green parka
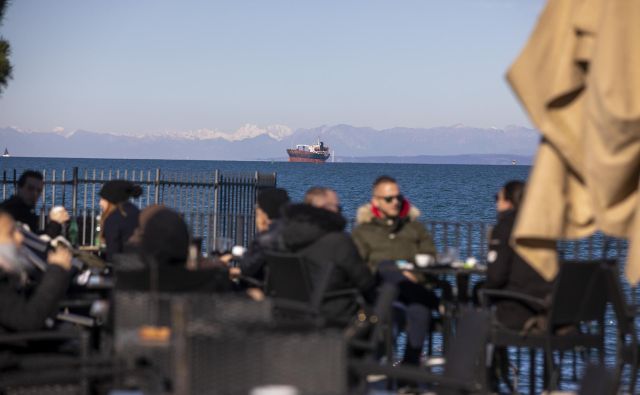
[[387, 230]]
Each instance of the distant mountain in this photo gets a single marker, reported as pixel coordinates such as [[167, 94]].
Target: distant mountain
[[253, 143]]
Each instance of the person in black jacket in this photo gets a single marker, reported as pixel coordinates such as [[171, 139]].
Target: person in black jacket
[[318, 235], [22, 205], [119, 217], [21, 310], [158, 253], [268, 225], [506, 269]]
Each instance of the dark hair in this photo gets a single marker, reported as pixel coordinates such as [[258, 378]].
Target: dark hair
[[29, 174], [384, 179], [271, 201], [513, 191]]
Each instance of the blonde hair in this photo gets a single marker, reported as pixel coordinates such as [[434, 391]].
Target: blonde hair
[[111, 207]]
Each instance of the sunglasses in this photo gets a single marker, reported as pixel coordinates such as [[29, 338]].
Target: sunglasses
[[389, 199]]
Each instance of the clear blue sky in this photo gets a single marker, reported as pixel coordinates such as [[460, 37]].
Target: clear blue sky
[[138, 66]]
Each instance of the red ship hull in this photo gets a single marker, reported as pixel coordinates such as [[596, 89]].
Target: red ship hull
[[308, 157], [307, 160]]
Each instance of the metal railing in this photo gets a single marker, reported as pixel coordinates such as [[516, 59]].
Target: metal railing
[[214, 204]]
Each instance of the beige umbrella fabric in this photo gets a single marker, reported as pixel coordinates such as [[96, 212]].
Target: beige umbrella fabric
[[578, 77]]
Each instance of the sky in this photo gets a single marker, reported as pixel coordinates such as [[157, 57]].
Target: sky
[[148, 66]]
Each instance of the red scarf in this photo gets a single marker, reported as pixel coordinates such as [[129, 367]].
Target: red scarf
[[404, 210]]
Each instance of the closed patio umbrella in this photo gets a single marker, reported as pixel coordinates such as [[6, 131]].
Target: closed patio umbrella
[[578, 77]]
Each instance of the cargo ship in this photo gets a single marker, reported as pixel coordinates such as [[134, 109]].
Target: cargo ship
[[316, 153]]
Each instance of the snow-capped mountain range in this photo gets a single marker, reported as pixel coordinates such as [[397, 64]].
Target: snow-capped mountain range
[[253, 142]]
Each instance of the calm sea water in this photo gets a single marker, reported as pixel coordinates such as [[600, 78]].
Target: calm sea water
[[442, 192]]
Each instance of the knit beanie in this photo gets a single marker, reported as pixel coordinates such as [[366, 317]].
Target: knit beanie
[[272, 200], [119, 191]]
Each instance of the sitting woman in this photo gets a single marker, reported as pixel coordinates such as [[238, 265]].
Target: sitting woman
[[507, 270], [21, 310], [119, 216], [157, 257]]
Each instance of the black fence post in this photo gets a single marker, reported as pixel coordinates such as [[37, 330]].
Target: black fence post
[[156, 197], [74, 193]]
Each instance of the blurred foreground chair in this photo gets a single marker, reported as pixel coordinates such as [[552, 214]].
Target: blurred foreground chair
[[464, 370], [627, 347], [299, 288], [574, 317], [52, 362]]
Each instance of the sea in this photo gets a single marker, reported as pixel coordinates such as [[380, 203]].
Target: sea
[[458, 193]]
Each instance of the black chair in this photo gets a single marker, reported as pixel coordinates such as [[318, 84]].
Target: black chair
[[299, 287], [465, 360], [579, 297], [598, 380], [627, 347]]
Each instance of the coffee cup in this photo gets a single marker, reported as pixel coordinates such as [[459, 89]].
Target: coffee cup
[[424, 260]]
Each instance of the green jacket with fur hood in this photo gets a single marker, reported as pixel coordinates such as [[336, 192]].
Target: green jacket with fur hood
[[380, 239]]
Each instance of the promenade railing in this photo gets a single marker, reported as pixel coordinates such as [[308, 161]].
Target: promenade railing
[[216, 205]]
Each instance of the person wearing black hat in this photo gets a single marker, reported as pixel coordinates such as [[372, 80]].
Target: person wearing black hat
[[270, 203], [119, 216]]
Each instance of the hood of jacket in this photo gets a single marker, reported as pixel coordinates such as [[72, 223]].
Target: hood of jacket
[[304, 224], [366, 213]]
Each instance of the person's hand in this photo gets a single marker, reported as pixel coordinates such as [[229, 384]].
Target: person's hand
[[61, 256], [410, 276], [226, 258], [234, 272], [256, 294], [59, 214]]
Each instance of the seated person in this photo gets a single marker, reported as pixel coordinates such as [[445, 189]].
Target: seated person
[[270, 203], [388, 230], [160, 246], [22, 205], [21, 310], [119, 217], [506, 269], [316, 232]]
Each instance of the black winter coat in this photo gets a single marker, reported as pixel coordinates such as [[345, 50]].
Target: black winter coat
[[20, 312], [253, 261], [118, 228], [318, 236], [21, 212], [508, 271]]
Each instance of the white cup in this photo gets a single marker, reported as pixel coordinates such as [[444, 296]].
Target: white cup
[[275, 390], [424, 260], [238, 251]]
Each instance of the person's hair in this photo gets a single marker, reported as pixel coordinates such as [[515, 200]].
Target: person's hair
[[29, 174], [111, 208], [384, 179], [513, 192], [315, 192]]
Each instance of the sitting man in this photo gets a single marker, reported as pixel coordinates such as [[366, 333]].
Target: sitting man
[[22, 309], [22, 205], [315, 231], [387, 230]]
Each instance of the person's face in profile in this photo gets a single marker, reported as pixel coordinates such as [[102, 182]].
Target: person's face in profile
[[387, 199], [502, 204], [262, 220], [9, 234], [30, 192]]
